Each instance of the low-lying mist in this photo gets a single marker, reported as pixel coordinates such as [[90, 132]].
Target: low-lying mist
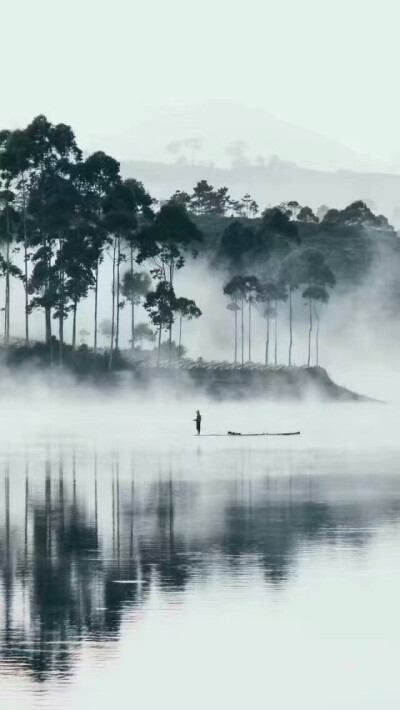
[[42, 417], [358, 336]]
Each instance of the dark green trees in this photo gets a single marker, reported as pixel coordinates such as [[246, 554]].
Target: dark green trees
[[163, 306], [207, 200], [120, 218], [313, 295], [236, 247], [135, 286], [68, 212], [242, 289], [16, 162], [65, 218], [319, 277], [99, 175], [234, 307], [186, 309], [160, 305], [235, 289], [8, 226], [167, 242], [52, 205], [143, 332], [270, 294], [291, 276]]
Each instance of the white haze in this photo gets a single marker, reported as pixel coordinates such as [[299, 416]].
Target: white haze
[[308, 64], [358, 332]]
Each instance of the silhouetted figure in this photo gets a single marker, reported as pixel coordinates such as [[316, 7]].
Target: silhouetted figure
[[198, 422]]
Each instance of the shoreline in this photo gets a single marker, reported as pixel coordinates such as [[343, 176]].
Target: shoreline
[[218, 380], [228, 381]]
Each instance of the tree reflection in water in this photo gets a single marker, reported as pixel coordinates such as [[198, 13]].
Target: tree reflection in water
[[67, 576]]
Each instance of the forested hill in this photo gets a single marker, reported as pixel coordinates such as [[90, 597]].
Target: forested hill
[[353, 242], [275, 182], [71, 228]]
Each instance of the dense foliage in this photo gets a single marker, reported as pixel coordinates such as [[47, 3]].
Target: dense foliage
[[64, 213]]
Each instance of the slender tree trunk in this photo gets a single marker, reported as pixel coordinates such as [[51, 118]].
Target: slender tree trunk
[[249, 329], [61, 331], [96, 293], [242, 332], [118, 290], [169, 341], [290, 327], [61, 336], [180, 339], [267, 339], [50, 342], [25, 269], [75, 306], [26, 513], [47, 315], [26, 294], [235, 336], [96, 514], [113, 307], [47, 297], [7, 284], [309, 333], [61, 311], [171, 277], [132, 307], [316, 336], [159, 347], [276, 333]]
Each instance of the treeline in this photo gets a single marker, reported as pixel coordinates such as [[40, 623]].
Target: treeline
[[65, 213], [285, 254]]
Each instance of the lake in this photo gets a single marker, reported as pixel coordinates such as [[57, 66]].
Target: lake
[[142, 566]]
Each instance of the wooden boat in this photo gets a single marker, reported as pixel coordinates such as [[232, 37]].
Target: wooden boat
[[238, 433]]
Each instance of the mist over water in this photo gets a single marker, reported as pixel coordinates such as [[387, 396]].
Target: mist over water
[[131, 549]]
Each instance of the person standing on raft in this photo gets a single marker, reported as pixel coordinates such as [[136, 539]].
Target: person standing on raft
[[198, 422]]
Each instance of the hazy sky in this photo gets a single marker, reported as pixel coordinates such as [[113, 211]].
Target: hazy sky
[[103, 66]]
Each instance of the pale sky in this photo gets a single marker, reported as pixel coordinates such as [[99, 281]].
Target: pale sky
[[103, 66]]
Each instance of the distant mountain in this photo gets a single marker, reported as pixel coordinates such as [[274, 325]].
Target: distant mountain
[[275, 183], [226, 132]]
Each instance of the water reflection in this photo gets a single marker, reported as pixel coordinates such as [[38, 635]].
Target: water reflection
[[77, 549]]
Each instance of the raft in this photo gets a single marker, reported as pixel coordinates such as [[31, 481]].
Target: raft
[[266, 433]]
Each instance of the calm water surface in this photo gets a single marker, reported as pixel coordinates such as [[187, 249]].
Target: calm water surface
[[142, 568]]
